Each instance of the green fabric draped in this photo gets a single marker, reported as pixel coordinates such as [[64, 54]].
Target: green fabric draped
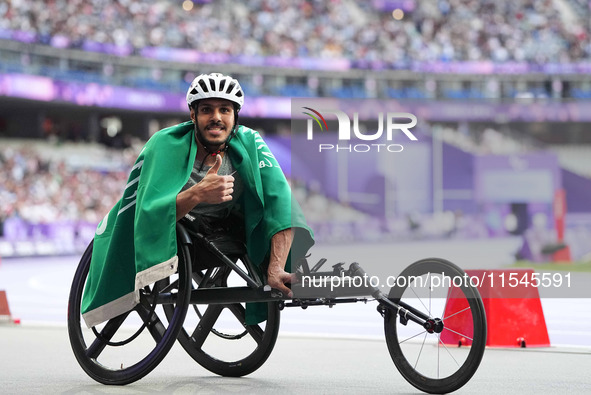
[[135, 244]]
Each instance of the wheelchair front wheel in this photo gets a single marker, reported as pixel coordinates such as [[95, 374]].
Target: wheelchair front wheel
[[110, 353], [444, 357]]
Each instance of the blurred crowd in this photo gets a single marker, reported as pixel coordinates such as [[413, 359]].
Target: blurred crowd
[[440, 30], [40, 191]]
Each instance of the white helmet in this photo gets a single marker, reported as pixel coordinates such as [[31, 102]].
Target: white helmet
[[215, 85]]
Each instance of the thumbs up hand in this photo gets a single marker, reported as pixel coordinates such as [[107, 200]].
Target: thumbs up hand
[[214, 188], [216, 166]]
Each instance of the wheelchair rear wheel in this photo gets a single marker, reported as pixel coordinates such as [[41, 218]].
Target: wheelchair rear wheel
[[116, 352], [216, 336], [426, 357]]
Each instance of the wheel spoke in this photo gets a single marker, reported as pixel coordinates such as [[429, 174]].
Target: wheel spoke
[[200, 278], [220, 276], [95, 349], [420, 300], [446, 349], [109, 330], [412, 337], [458, 333], [461, 311], [421, 350], [206, 323], [438, 364], [445, 305], [169, 287], [254, 330], [430, 292], [154, 324]]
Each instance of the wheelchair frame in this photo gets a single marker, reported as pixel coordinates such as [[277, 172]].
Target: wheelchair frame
[[209, 287]]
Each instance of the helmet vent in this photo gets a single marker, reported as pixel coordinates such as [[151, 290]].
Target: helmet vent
[[215, 85]]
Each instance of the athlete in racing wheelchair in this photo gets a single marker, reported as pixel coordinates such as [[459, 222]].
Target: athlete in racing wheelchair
[[207, 207]]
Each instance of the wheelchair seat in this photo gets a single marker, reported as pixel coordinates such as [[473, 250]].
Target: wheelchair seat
[[205, 234]]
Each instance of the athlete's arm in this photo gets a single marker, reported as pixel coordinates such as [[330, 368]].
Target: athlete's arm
[[277, 277]]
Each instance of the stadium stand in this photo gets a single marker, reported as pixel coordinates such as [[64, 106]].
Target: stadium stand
[[457, 50], [448, 36], [525, 30]]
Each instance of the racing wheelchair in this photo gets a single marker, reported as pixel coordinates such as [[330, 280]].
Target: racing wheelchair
[[203, 307]]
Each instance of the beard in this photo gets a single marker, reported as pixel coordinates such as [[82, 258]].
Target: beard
[[210, 144]]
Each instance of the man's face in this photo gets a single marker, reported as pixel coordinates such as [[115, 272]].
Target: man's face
[[214, 119]]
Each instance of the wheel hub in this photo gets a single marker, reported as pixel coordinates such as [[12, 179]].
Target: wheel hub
[[433, 325]]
